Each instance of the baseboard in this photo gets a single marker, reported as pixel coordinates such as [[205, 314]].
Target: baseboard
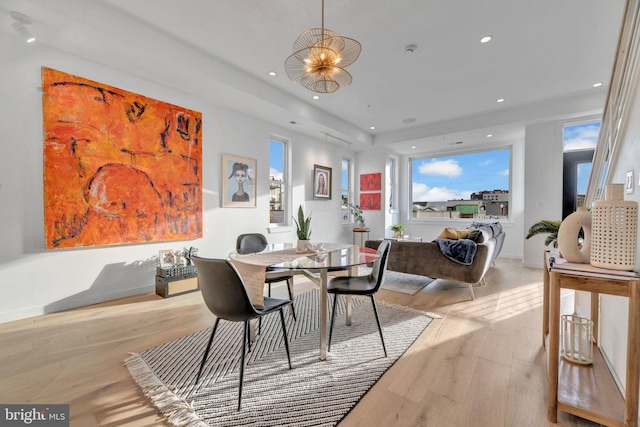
[[71, 303]]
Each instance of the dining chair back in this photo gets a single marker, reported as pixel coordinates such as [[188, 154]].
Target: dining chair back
[[250, 243], [226, 297]]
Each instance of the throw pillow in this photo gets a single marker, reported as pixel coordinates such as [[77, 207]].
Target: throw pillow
[[454, 233], [476, 235]]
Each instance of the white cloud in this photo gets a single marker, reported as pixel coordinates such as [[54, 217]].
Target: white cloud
[[422, 193], [486, 162], [504, 172], [277, 175], [449, 168], [586, 139]]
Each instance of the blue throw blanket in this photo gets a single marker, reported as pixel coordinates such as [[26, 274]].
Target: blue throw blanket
[[461, 251]]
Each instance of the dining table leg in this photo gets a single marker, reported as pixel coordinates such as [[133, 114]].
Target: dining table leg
[[323, 314]]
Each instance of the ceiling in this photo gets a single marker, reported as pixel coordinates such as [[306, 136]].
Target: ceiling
[[543, 60]]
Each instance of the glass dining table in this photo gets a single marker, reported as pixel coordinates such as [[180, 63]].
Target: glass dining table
[[315, 265]]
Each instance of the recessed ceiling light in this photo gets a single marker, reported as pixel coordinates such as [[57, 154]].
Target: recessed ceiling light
[[486, 39], [413, 146], [500, 100], [372, 127], [489, 135], [409, 120], [293, 123], [316, 97], [272, 73], [597, 84]]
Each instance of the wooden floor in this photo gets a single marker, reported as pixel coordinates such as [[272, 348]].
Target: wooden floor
[[482, 364]]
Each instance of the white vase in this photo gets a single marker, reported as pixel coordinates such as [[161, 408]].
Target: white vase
[[303, 246], [568, 245], [614, 230]]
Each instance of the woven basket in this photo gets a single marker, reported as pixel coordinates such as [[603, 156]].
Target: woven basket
[[614, 230]]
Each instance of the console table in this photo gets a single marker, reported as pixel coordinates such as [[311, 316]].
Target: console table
[[176, 281], [589, 391]]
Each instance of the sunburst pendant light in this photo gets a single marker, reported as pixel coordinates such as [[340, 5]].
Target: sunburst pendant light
[[319, 59]]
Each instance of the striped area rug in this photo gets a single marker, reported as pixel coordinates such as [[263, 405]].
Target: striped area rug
[[313, 393]]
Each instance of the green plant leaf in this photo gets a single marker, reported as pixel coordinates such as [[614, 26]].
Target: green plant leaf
[[303, 225]]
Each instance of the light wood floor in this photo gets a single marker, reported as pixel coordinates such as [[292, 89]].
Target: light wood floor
[[482, 364]]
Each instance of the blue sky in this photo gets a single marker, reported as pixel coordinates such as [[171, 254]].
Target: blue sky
[[583, 136], [456, 177], [276, 154]]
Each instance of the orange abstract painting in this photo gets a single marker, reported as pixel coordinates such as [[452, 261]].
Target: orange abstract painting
[[118, 167]]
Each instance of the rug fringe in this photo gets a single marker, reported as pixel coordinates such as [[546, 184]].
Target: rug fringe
[[178, 412]]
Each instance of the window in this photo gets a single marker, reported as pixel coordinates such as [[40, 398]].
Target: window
[[579, 143], [392, 188], [347, 196], [471, 185], [278, 180]]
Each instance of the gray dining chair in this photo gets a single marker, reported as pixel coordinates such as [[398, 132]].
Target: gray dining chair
[[361, 285], [250, 243], [226, 297]]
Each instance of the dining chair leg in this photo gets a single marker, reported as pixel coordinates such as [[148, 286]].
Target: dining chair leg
[[333, 317], [245, 338], [248, 337], [286, 339], [290, 289], [206, 352], [375, 310]]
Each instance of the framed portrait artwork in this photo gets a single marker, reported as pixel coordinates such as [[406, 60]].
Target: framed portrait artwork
[[321, 182], [238, 181]]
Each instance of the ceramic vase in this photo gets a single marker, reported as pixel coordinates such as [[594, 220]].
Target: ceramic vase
[[568, 243], [614, 230], [303, 246]]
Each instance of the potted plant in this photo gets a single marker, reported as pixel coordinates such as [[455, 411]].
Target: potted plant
[[546, 227], [303, 230], [398, 229], [357, 213]]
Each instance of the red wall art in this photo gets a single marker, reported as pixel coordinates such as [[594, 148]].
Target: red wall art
[[118, 167], [370, 201], [371, 181]]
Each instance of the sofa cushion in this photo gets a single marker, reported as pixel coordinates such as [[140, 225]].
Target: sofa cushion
[[454, 233], [477, 235]]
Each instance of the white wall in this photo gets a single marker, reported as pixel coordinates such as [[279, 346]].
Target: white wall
[[34, 280], [543, 184], [614, 310]]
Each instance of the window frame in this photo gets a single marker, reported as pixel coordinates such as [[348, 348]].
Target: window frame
[[571, 160], [285, 183], [393, 187], [349, 190], [440, 154]]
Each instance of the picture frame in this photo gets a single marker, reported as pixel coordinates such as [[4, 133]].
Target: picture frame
[[239, 181], [370, 201], [371, 181], [166, 258], [321, 182]]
